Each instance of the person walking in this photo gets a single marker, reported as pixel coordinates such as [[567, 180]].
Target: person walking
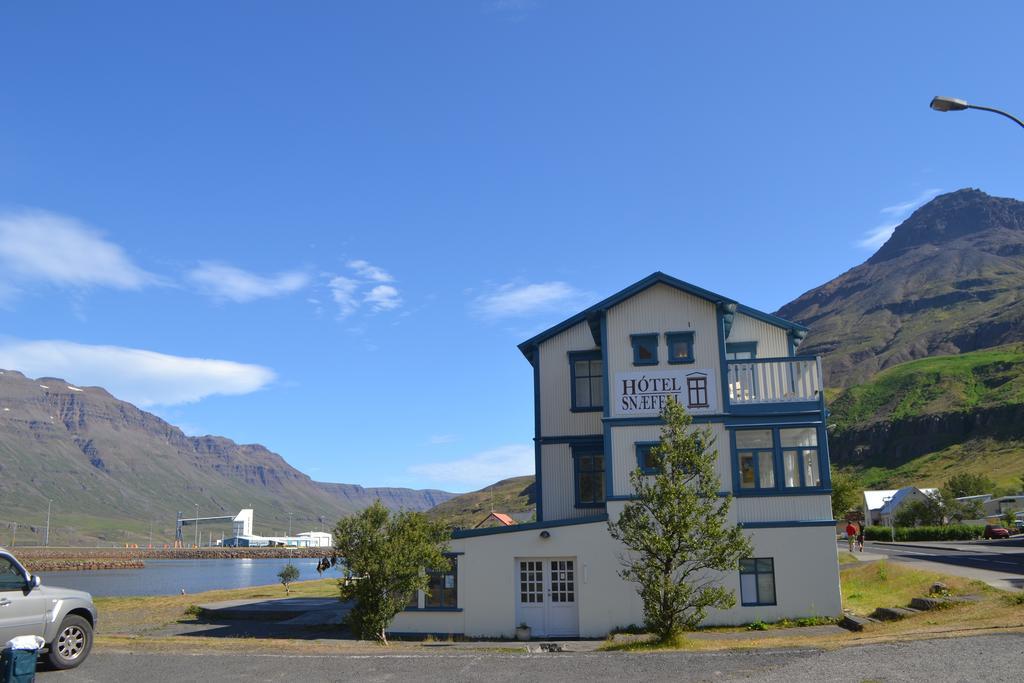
[[851, 534], [860, 538]]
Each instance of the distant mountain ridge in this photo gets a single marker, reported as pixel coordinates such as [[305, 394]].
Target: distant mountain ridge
[[949, 279], [108, 465]]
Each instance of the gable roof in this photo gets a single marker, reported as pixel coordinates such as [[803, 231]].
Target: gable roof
[[897, 498], [504, 519], [592, 314]]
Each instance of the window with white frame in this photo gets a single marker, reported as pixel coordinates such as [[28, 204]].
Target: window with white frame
[[777, 459], [755, 454], [800, 462]]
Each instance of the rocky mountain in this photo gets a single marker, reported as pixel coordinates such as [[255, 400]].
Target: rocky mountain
[[950, 279], [111, 469]]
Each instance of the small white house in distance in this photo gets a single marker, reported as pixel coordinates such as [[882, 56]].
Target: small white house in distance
[[880, 507], [601, 378]]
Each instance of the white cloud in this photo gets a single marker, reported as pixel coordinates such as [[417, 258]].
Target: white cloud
[[383, 298], [441, 439], [906, 207], [350, 292], [511, 300], [480, 470], [227, 282], [145, 378], [369, 271], [878, 235], [37, 245], [343, 291]]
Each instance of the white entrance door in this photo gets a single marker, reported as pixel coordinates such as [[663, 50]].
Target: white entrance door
[[548, 597]]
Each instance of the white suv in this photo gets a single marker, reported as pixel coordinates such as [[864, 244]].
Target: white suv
[[64, 618]]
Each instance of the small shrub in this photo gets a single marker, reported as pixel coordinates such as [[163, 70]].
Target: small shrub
[[1015, 599], [883, 573], [288, 574], [193, 611], [949, 532], [757, 626], [632, 629]]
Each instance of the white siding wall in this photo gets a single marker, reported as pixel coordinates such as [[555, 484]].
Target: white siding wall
[[663, 309], [772, 341], [624, 440], [557, 418], [783, 508], [806, 581], [559, 494]]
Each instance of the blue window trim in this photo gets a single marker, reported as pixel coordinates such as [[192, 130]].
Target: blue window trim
[[582, 450], [641, 449], [741, 347], [825, 485], [454, 569], [673, 337], [637, 339], [757, 587], [588, 356]]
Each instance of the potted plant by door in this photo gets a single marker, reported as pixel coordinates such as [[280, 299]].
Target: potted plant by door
[[522, 631]]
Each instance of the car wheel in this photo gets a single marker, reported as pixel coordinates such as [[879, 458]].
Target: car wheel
[[72, 644]]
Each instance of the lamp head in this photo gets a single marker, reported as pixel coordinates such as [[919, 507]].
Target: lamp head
[[948, 104]]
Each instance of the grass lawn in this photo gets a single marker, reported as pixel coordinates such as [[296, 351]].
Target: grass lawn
[[866, 586], [890, 584]]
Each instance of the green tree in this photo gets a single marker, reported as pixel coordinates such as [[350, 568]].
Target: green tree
[[925, 512], [385, 555], [959, 510], [676, 530], [846, 493], [968, 484], [288, 574]]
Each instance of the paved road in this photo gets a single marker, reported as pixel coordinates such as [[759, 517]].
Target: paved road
[[980, 658], [1001, 564]]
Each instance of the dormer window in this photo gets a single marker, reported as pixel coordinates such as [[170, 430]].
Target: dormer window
[[680, 347], [645, 349]]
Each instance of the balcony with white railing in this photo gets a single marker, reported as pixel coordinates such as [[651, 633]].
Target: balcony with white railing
[[758, 382]]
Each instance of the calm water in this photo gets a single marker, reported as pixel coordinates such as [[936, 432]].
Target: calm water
[[168, 577]]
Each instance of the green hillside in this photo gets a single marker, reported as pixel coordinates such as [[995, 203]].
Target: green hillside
[[468, 509], [923, 421], [942, 384]]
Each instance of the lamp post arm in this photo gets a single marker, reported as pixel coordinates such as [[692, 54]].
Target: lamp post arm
[[998, 111]]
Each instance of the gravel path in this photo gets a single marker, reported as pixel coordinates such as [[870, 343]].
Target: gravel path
[[977, 658]]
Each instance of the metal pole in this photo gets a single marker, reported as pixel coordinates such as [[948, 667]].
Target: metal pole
[[46, 541], [197, 524], [289, 524], [150, 533], [998, 111]]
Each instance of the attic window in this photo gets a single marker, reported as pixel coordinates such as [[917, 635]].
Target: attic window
[[645, 349], [680, 347]]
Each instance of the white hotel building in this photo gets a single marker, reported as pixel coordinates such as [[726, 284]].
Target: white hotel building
[[600, 378]]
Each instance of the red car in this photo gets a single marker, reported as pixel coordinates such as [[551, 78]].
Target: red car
[[993, 531]]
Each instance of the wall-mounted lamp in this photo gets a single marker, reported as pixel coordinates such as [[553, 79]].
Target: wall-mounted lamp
[[545, 534]]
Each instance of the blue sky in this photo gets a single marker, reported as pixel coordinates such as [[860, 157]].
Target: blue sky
[[324, 227]]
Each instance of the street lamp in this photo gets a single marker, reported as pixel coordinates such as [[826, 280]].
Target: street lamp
[[197, 523], [290, 524], [953, 104], [46, 540]]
